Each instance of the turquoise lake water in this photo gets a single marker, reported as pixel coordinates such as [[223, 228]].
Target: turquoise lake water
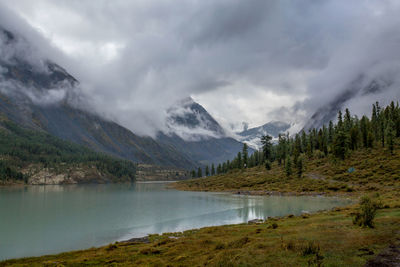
[[39, 220]]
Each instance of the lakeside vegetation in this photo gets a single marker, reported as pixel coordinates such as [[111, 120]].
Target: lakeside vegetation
[[324, 239], [335, 141], [347, 236], [372, 169], [22, 151], [341, 157]]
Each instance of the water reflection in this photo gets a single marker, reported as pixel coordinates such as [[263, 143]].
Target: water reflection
[[38, 220]]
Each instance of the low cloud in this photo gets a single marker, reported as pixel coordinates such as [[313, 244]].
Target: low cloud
[[252, 61]]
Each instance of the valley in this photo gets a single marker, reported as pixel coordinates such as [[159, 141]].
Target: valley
[[199, 133]]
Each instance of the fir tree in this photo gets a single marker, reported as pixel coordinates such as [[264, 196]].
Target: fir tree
[[300, 166], [340, 144], [207, 171], [267, 146], [245, 155], [288, 166], [239, 164], [390, 135]]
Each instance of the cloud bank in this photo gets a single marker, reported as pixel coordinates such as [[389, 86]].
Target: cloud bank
[[252, 61]]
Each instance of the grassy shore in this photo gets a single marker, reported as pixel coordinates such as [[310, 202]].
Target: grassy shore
[[376, 170], [326, 238]]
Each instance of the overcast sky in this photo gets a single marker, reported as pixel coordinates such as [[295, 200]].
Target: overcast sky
[[243, 60]]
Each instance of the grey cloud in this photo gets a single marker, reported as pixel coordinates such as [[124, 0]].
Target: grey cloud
[[165, 51]]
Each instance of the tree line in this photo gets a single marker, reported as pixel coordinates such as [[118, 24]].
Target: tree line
[[338, 139], [20, 147]]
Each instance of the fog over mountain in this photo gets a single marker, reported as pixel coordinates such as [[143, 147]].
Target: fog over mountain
[[254, 61]]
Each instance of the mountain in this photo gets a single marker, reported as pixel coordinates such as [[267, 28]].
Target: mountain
[[196, 134], [38, 94], [34, 157], [360, 88], [252, 136], [41, 95]]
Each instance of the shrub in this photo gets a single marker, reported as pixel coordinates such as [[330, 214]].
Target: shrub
[[366, 214], [268, 165], [310, 249]]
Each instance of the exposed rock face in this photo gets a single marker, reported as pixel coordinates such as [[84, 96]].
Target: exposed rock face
[[39, 175]]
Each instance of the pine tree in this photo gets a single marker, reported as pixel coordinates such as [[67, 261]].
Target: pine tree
[[364, 131], [297, 148], [330, 133], [339, 125], [212, 169], [199, 172], [281, 149], [303, 141], [207, 171], [340, 144], [288, 166], [390, 135], [267, 146], [193, 174], [347, 121], [239, 163], [245, 155], [300, 166], [354, 136]]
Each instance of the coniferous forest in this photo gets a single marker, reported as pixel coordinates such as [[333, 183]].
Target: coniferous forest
[[20, 147], [336, 140]]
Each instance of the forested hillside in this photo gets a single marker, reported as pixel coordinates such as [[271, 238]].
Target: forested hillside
[[342, 156], [27, 154]]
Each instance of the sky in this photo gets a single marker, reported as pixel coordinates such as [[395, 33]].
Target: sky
[[250, 61]]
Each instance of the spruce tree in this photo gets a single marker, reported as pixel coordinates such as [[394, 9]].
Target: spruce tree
[[340, 144], [212, 169], [300, 166], [267, 146], [207, 171], [390, 135], [364, 131], [199, 172], [288, 166], [239, 164], [245, 155], [219, 169]]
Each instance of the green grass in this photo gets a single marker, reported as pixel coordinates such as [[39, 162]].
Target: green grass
[[375, 170], [326, 238], [295, 242]]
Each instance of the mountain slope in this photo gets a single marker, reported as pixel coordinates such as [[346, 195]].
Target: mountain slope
[[252, 136], [41, 95], [356, 92], [35, 157], [38, 94], [196, 134]]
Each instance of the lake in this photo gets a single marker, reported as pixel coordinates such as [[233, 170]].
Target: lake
[[38, 220]]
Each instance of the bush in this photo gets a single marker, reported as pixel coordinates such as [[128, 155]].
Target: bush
[[366, 214], [310, 249], [273, 226], [268, 165]]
